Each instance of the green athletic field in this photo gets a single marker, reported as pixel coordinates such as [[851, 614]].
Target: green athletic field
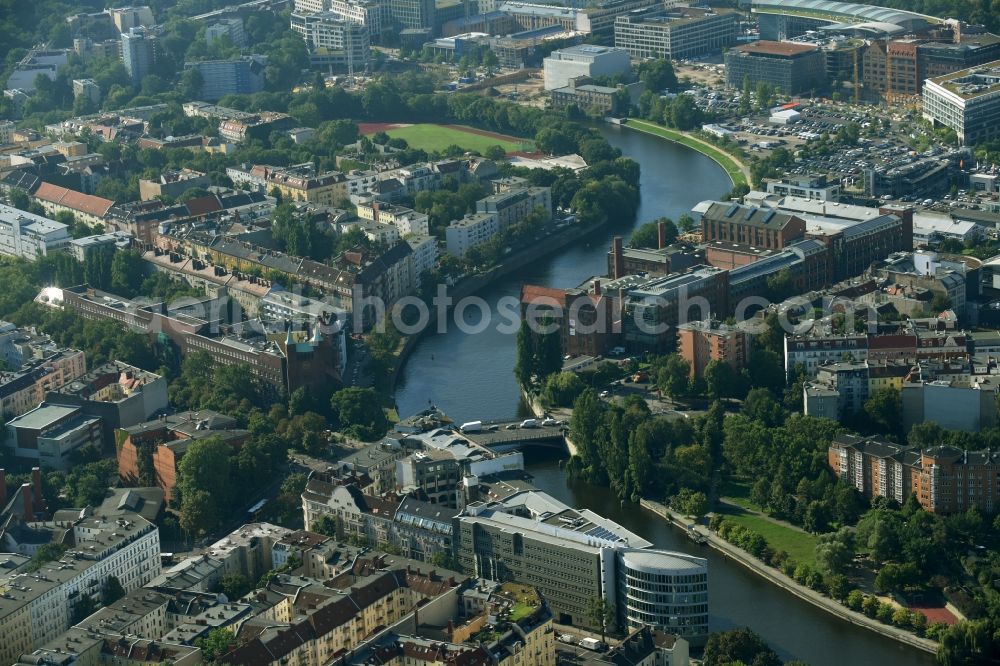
[[430, 137]]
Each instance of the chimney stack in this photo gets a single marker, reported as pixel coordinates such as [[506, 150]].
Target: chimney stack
[[661, 235], [597, 287], [36, 482], [29, 509], [3, 488], [618, 260]]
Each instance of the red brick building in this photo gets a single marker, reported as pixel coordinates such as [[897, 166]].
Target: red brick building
[[701, 342], [165, 441], [586, 317], [761, 228]]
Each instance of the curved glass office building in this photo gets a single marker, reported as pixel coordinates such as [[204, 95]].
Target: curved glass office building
[[665, 590]]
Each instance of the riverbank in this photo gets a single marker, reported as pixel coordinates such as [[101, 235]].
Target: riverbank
[[738, 172], [474, 283], [563, 414], [778, 578]]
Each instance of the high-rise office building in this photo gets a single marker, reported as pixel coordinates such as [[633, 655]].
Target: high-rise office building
[[229, 27], [239, 76], [334, 42], [138, 53], [410, 14]]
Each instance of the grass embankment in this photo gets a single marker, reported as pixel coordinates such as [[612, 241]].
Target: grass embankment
[[737, 172], [800, 546], [431, 137]]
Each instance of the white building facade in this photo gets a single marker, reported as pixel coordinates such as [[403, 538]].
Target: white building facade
[[30, 236]]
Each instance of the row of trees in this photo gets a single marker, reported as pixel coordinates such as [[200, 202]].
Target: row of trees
[[625, 447]]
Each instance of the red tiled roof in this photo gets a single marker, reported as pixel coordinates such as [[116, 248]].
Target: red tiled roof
[[891, 341], [531, 293], [85, 203], [203, 205]]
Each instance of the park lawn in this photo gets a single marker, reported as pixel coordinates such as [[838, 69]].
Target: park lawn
[[800, 546], [738, 492], [724, 160], [430, 137]]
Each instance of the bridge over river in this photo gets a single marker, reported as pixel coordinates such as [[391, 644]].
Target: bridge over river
[[497, 436]]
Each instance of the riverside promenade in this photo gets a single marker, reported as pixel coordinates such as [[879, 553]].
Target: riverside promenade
[[781, 580]]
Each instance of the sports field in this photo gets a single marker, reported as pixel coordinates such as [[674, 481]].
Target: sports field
[[431, 137]]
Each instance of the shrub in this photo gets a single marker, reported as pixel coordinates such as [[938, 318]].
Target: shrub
[[870, 606], [901, 617], [885, 612]]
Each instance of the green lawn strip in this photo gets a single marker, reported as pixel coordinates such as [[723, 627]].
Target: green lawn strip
[[430, 137], [800, 546], [724, 160]]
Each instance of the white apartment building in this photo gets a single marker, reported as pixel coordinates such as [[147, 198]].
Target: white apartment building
[[513, 205], [380, 232], [361, 182], [37, 607], [425, 254], [811, 352], [406, 220], [583, 60], [6, 129], [81, 248], [88, 89], [472, 230], [813, 188], [30, 236]]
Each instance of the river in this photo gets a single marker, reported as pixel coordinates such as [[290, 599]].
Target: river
[[470, 377]]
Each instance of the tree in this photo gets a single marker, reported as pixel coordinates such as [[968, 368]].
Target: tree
[[601, 614], [216, 643], [761, 406], [199, 512], [780, 286], [496, 153], [658, 75], [204, 480], [127, 272], [84, 607], [235, 585], [19, 198], [738, 646], [721, 380], [895, 577], [835, 551], [685, 223], [49, 552], [647, 236], [816, 518], [112, 590], [765, 369], [524, 366], [672, 376], [884, 407], [325, 524], [358, 412], [563, 388], [588, 414], [684, 113], [691, 503]]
